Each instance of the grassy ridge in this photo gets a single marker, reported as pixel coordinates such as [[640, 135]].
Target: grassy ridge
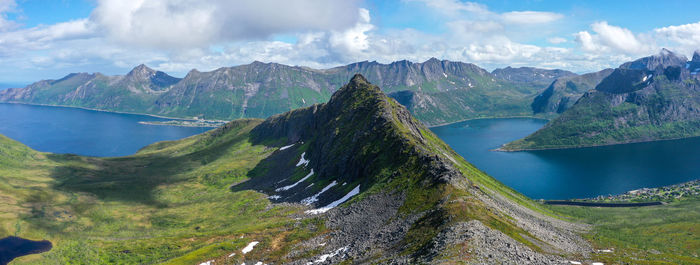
[[171, 200], [667, 234]]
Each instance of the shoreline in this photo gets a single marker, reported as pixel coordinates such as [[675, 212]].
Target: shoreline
[[500, 149], [111, 111], [484, 118]]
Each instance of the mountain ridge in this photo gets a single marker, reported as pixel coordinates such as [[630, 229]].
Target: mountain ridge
[[358, 179], [440, 91], [652, 98]]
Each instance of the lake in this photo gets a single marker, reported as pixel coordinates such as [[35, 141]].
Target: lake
[[548, 174], [12, 247], [84, 132], [570, 173]]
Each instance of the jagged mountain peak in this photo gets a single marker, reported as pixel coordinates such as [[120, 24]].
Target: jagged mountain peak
[[696, 56], [663, 59], [141, 72]]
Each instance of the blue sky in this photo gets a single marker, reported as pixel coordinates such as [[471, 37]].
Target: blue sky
[[49, 39]]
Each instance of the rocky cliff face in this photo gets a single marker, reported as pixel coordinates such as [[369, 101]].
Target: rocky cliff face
[[408, 199], [531, 75], [653, 98], [438, 91], [565, 91]]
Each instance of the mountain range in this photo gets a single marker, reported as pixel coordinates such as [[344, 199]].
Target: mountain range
[[435, 91], [652, 98], [356, 180], [353, 180]]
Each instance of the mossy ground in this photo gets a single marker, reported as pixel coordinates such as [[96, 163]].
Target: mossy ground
[[169, 203]]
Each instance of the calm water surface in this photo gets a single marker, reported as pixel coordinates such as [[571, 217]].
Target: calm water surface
[[571, 173], [12, 247], [549, 174], [84, 132]]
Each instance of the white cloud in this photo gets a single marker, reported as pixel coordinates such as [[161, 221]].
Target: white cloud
[[687, 36], [7, 6], [618, 38], [607, 38], [354, 40], [455, 7], [530, 17], [557, 40], [199, 23]]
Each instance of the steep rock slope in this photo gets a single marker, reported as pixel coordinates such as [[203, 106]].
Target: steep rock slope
[[356, 180], [434, 91], [133, 92], [565, 91], [530, 75], [652, 98]]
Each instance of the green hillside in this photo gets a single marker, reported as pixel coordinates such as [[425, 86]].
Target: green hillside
[[209, 196], [653, 98], [435, 91]]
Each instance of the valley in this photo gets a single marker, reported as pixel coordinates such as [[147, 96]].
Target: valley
[[209, 197]]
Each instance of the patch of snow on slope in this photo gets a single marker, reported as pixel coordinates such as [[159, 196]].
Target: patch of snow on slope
[[207, 262], [274, 197], [314, 198], [296, 183], [286, 146], [232, 254], [324, 257], [450, 158], [324, 209], [249, 247], [444, 75], [303, 161]]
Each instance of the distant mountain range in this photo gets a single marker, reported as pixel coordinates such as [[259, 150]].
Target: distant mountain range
[[652, 98], [356, 180], [434, 91]]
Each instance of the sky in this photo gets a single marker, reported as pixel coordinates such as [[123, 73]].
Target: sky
[[49, 39]]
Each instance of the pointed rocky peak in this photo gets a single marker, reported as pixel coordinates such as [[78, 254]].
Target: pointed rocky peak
[[696, 56], [663, 59], [141, 71], [432, 60], [357, 90]]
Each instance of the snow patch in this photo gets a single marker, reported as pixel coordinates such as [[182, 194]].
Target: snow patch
[[324, 257], [647, 77], [296, 183], [207, 262], [575, 262], [444, 75], [249, 247], [312, 199], [450, 158], [232, 254], [597, 263], [286, 146], [324, 209], [274, 197], [303, 161]]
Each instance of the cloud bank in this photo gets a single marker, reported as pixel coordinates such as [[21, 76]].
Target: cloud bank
[[179, 35]]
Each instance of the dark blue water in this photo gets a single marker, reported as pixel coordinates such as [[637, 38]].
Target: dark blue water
[[571, 173], [12, 247], [84, 132]]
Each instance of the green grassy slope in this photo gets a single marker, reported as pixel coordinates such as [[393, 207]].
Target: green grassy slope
[[667, 234], [444, 91], [172, 202], [657, 99]]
